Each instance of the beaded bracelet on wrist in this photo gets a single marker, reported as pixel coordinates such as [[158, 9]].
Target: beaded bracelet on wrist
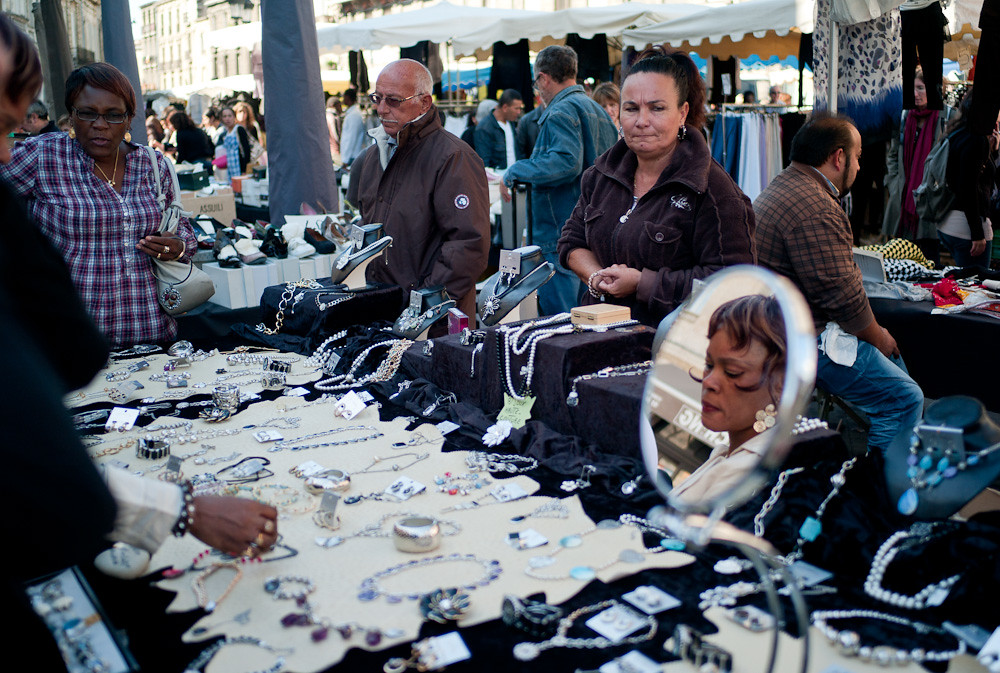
[[186, 519]]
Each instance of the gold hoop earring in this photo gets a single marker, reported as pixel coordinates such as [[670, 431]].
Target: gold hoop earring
[[128, 136], [72, 132]]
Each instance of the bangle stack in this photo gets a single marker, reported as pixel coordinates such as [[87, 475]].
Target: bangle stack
[[590, 286], [186, 519], [152, 449]]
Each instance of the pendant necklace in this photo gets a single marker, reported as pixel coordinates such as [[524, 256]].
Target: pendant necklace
[[111, 180]]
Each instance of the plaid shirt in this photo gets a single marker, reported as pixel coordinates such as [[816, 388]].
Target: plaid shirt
[[96, 229], [803, 234]]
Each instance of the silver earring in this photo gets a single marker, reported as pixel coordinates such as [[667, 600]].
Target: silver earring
[[682, 132]]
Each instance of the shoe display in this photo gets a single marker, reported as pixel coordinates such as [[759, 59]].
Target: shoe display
[[225, 252], [204, 232]]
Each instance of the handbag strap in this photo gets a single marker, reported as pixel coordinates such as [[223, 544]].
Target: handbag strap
[[161, 197]]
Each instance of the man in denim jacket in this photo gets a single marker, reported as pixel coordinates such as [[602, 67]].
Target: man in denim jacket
[[575, 130]]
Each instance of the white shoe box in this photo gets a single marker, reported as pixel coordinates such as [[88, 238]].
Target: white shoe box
[[260, 276], [230, 289]]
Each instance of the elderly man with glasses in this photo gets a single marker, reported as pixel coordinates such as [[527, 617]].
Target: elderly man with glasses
[[426, 186]]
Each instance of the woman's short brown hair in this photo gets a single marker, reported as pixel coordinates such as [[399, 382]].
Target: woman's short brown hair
[[757, 318], [100, 76], [607, 93]]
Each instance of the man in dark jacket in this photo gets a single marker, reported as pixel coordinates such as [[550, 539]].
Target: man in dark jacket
[[37, 120], [495, 134], [428, 189], [575, 130]]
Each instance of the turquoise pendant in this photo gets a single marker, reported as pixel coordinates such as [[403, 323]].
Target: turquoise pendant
[[907, 504], [810, 529], [583, 573], [571, 541]]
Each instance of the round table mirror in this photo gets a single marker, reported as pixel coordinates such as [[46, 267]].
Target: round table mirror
[[734, 366]]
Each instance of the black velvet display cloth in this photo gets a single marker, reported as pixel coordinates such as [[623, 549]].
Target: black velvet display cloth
[[558, 359], [943, 353]]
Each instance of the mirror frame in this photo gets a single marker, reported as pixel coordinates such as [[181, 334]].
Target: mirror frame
[[800, 369]]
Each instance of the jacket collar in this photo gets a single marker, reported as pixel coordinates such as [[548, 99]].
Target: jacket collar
[[821, 180], [689, 164], [412, 131], [565, 93]]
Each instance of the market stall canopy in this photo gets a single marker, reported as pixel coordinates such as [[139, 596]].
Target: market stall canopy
[[584, 21], [753, 27], [243, 36], [438, 23]]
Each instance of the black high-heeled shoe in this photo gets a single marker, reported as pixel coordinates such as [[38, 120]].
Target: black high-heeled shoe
[[225, 252], [318, 241], [206, 239], [274, 244]]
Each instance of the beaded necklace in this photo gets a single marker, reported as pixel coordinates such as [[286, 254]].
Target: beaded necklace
[[370, 588]]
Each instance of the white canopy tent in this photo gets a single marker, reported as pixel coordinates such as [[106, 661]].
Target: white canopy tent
[[753, 27]]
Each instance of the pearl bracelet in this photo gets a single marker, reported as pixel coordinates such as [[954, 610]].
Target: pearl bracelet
[[849, 642]]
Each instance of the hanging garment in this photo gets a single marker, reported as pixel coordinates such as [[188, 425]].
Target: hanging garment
[[750, 157], [869, 72], [726, 142], [921, 32]]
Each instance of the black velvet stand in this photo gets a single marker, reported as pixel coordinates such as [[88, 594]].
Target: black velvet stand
[[377, 302], [603, 403], [945, 354]]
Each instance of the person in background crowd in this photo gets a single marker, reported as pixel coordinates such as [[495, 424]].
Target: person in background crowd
[[495, 133], [527, 129], [246, 118], [966, 231], [919, 129], [427, 187], [238, 150], [211, 124], [774, 95], [574, 132], [90, 194], [803, 234], [353, 138], [744, 374], [37, 120], [482, 110], [193, 145], [154, 133], [609, 97], [64, 123], [333, 127], [656, 212], [749, 97], [140, 511]]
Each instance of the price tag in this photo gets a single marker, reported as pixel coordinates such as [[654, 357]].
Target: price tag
[[265, 436], [651, 600], [416, 301], [404, 488], [349, 406], [297, 392], [329, 501], [121, 419], [516, 412], [526, 539], [809, 574], [307, 469], [447, 426], [633, 662], [510, 263], [441, 651], [121, 465], [357, 237], [616, 622], [365, 396], [727, 84], [508, 492], [173, 467]]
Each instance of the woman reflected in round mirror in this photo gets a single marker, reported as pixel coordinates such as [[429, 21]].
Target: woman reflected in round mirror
[[740, 389]]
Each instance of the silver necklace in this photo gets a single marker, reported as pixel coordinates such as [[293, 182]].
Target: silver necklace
[[632, 369], [370, 588], [293, 444], [930, 596], [527, 651]]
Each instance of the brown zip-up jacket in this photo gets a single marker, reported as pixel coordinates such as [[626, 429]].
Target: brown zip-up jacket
[[433, 200]]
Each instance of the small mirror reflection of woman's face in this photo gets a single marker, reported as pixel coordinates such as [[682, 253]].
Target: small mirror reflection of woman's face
[[733, 389], [919, 93]]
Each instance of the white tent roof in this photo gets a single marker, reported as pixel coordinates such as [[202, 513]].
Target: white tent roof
[[759, 24], [244, 36], [585, 21], [437, 23]]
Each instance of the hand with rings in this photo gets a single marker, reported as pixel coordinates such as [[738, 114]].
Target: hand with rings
[[237, 526], [161, 247]]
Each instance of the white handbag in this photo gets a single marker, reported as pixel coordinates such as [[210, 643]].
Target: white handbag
[[180, 286]]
